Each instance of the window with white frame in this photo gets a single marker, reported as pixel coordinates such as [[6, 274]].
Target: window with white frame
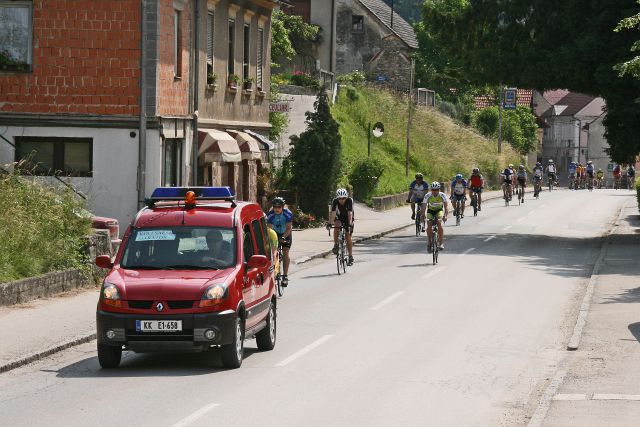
[[16, 28], [177, 44], [210, 43], [260, 60]]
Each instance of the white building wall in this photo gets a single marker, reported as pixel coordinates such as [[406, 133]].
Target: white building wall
[[597, 146]]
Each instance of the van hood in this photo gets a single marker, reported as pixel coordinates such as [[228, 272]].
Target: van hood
[[164, 285]]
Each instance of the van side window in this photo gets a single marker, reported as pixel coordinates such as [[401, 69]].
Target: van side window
[[265, 236], [260, 241], [247, 243]]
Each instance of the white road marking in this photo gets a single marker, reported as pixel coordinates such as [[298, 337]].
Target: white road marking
[[531, 213], [508, 227], [604, 396], [543, 206], [304, 351], [467, 251], [522, 219], [570, 397], [545, 401], [489, 238], [387, 301], [198, 414], [433, 272]]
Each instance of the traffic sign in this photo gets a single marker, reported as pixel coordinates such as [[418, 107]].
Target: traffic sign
[[279, 107], [510, 99]]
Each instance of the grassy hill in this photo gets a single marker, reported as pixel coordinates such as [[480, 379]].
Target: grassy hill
[[440, 148]]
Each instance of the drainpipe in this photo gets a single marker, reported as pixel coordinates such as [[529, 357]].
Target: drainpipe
[[142, 131], [195, 72], [332, 47]]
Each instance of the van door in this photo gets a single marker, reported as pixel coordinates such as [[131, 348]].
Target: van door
[[263, 249], [250, 281]]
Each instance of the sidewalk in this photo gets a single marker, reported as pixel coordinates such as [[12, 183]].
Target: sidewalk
[[602, 382], [43, 327]]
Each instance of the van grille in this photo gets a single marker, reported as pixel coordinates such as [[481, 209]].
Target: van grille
[[140, 305], [177, 305]]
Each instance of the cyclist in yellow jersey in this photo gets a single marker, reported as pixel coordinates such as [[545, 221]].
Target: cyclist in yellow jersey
[[273, 239], [436, 206]]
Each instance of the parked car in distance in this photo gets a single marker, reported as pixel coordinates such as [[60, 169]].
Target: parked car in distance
[[194, 272]]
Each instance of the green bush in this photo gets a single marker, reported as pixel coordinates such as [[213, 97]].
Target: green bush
[[486, 121], [448, 109], [42, 229], [352, 93], [364, 177], [353, 78], [303, 79], [302, 219]]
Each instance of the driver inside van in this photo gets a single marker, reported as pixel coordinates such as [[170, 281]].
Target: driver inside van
[[218, 249]]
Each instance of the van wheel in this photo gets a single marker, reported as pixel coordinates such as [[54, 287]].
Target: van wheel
[[109, 356], [232, 354], [266, 338]]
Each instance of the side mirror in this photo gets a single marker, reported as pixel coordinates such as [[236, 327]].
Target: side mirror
[[104, 261], [258, 261]]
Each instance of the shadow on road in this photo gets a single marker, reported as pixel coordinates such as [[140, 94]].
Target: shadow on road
[[150, 365], [634, 328]]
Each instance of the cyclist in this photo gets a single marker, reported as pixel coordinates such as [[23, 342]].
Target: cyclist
[[631, 176], [458, 192], [580, 175], [590, 170], [417, 190], [600, 177], [522, 179], [617, 174], [573, 170], [476, 184], [436, 206], [507, 180], [342, 216], [280, 219], [538, 170], [273, 240], [513, 179], [551, 171]]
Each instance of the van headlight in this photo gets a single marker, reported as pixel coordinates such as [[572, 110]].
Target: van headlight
[[110, 294], [213, 295]]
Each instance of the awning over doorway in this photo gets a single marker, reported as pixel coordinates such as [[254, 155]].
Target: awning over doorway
[[248, 145], [218, 146], [268, 145]]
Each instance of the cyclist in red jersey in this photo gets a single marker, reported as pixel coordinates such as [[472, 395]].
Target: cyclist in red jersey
[[476, 184]]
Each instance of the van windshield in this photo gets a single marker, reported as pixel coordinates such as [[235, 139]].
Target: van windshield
[[180, 248]]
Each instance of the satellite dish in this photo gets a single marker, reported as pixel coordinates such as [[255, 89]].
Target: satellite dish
[[378, 130]]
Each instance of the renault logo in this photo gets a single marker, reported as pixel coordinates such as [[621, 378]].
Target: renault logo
[[159, 306]]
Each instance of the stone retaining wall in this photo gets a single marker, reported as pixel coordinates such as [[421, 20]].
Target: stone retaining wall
[[394, 200]]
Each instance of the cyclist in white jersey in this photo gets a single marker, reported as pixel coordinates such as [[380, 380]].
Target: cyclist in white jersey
[[551, 170], [417, 190]]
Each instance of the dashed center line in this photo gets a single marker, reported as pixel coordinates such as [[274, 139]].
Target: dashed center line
[[467, 251], [196, 415], [522, 219], [604, 396], [304, 351], [508, 227], [596, 396], [531, 213], [570, 397], [489, 238], [433, 272], [386, 301]]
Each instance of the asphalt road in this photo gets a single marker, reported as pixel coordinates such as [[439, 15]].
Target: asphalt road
[[397, 341]]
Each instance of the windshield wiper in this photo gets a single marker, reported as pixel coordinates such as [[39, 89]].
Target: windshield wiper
[[188, 267], [141, 267]]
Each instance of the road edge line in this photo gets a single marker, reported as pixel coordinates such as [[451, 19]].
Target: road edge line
[[46, 353], [585, 307]]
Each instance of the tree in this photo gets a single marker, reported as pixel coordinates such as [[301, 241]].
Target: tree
[[315, 159], [291, 36], [519, 127], [632, 66], [543, 44]]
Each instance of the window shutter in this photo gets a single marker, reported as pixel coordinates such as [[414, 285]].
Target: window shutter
[[260, 61], [210, 29]]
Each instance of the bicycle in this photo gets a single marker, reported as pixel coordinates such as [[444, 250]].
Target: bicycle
[[520, 194], [537, 187], [589, 183], [616, 182], [507, 194], [631, 182], [418, 218], [550, 183], [435, 242], [457, 211], [278, 262], [474, 202], [572, 182], [600, 183], [341, 256]]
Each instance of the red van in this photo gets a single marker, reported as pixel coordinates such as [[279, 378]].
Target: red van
[[193, 272]]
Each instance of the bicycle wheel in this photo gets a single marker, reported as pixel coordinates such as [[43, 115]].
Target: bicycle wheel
[[279, 287], [474, 202], [418, 225], [434, 246], [343, 262]]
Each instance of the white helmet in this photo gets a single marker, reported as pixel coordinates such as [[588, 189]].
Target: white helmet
[[550, 160], [341, 193], [435, 185]]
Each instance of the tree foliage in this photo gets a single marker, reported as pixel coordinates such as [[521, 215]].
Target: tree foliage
[[631, 66], [519, 127], [291, 36], [315, 159], [542, 44]]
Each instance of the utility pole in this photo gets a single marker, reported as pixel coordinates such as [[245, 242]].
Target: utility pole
[[369, 141], [406, 167], [500, 119], [392, 14]]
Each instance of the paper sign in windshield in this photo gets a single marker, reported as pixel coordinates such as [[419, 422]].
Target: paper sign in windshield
[[152, 235]]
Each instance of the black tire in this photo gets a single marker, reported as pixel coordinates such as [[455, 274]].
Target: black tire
[[434, 247], [109, 356], [266, 338], [279, 286], [339, 261], [232, 354], [418, 226]]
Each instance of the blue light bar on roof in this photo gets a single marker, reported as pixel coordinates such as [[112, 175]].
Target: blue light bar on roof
[[202, 193]]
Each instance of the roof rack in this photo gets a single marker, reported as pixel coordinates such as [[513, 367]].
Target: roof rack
[[179, 194]]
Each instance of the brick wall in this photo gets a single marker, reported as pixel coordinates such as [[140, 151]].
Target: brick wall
[[86, 59], [173, 93]]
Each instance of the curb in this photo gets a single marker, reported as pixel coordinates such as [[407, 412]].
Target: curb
[[45, 353], [323, 254]]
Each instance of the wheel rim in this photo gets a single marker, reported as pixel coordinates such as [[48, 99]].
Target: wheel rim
[[272, 324], [238, 339]]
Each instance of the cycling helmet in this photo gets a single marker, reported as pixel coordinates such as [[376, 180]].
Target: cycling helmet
[[538, 164], [510, 165], [590, 162], [550, 160], [459, 176], [521, 167], [277, 201], [435, 185], [419, 176], [341, 193], [476, 170]]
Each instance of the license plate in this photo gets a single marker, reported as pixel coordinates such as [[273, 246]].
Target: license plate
[[158, 325]]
